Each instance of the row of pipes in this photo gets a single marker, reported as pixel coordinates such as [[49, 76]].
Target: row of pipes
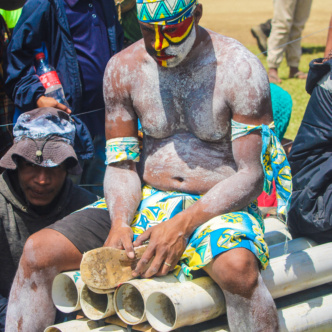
[[168, 304]]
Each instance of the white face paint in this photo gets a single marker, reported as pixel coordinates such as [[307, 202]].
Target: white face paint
[[179, 52]]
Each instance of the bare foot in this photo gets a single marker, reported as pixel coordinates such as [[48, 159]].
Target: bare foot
[[273, 76]]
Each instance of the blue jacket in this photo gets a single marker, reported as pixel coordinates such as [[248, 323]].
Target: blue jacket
[[46, 21], [310, 159]]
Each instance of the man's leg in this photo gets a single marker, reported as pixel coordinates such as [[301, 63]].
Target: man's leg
[[46, 253], [281, 27], [250, 306], [293, 50]]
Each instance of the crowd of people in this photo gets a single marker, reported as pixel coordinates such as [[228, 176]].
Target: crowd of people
[[188, 187]]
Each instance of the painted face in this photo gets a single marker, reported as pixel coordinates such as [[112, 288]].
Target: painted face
[[40, 185], [169, 44]]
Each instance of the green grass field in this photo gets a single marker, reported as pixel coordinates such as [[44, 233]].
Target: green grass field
[[295, 87]]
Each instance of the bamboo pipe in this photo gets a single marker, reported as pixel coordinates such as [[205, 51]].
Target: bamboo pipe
[[96, 306], [300, 270], [130, 297], [76, 325], [66, 289], [187, 303]]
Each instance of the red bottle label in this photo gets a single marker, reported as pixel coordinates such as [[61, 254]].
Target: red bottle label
[[49, 79]]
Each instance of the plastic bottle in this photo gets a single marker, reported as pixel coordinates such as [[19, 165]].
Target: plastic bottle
[[50, 80]]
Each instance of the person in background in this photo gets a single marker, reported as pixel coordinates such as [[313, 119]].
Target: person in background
[[288, 22], [80, 37], [35, 190], [127, 16], [328, 47], [261, 33], [6, 105], [310, 158]]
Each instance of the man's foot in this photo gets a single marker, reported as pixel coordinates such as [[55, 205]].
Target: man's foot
[[261, 38], [301, 75], [294, 72], [273, 76]]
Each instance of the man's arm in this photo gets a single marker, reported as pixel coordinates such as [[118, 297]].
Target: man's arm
[[122, 185], [168, 240], [22, 83]]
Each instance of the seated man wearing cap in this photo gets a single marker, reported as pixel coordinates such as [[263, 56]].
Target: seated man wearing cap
[[203, 101], [34, 189]]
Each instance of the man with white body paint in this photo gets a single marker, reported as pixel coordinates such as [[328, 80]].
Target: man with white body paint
[[193, 91]]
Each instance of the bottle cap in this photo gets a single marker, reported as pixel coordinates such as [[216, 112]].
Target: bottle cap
[[39, 56]]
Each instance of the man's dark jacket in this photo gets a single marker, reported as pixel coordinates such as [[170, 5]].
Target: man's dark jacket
[[18, 221], [311, 160], [46, 21]]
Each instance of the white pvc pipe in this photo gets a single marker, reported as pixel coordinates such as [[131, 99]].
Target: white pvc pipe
[[96, 306], [298, 271], [273, 224], [275, 231], [66, 289], [291, 246], [277, 236], [130, 297], [183, 304], [111, 328], [76, 325], [312, 315]]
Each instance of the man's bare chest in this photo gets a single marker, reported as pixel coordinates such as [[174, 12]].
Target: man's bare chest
[[187, 102]]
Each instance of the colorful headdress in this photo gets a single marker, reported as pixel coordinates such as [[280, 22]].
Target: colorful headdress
[[164, 12]]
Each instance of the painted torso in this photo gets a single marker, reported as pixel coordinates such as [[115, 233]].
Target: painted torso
[[185, 111]]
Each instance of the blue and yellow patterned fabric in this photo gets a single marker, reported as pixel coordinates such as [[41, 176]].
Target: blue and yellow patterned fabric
[[164, 12], [243, 229], [123, 148], [274, 162]]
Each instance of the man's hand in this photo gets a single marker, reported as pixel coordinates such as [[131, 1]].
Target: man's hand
[[121, 237], [167, 242], [44, 101]]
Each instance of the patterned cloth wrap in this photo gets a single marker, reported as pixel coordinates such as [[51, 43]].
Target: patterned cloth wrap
[[242, 229], [164, 12], [124, 148]]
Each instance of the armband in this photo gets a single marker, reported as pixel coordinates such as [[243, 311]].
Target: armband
[[123, 148]]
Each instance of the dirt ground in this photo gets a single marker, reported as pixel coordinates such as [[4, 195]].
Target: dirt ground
[[234, 18]]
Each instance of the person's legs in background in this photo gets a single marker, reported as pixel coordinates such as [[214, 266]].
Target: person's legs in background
[[281, 26], [293, 50]]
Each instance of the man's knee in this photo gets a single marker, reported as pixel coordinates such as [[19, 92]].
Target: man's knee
[[49, 249], [236, 272]]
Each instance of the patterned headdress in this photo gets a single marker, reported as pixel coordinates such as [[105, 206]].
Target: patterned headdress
[[165, 11]]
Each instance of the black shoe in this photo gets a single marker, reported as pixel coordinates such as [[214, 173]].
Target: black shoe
[[261, 38]]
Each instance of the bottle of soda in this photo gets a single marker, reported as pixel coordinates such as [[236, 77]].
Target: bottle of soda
[[50, 80]]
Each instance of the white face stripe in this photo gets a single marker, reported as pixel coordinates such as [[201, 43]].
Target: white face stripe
[[180, 51]]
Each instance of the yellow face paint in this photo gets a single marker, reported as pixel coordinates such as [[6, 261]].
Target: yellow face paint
[[177, 33], [160, 40]]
